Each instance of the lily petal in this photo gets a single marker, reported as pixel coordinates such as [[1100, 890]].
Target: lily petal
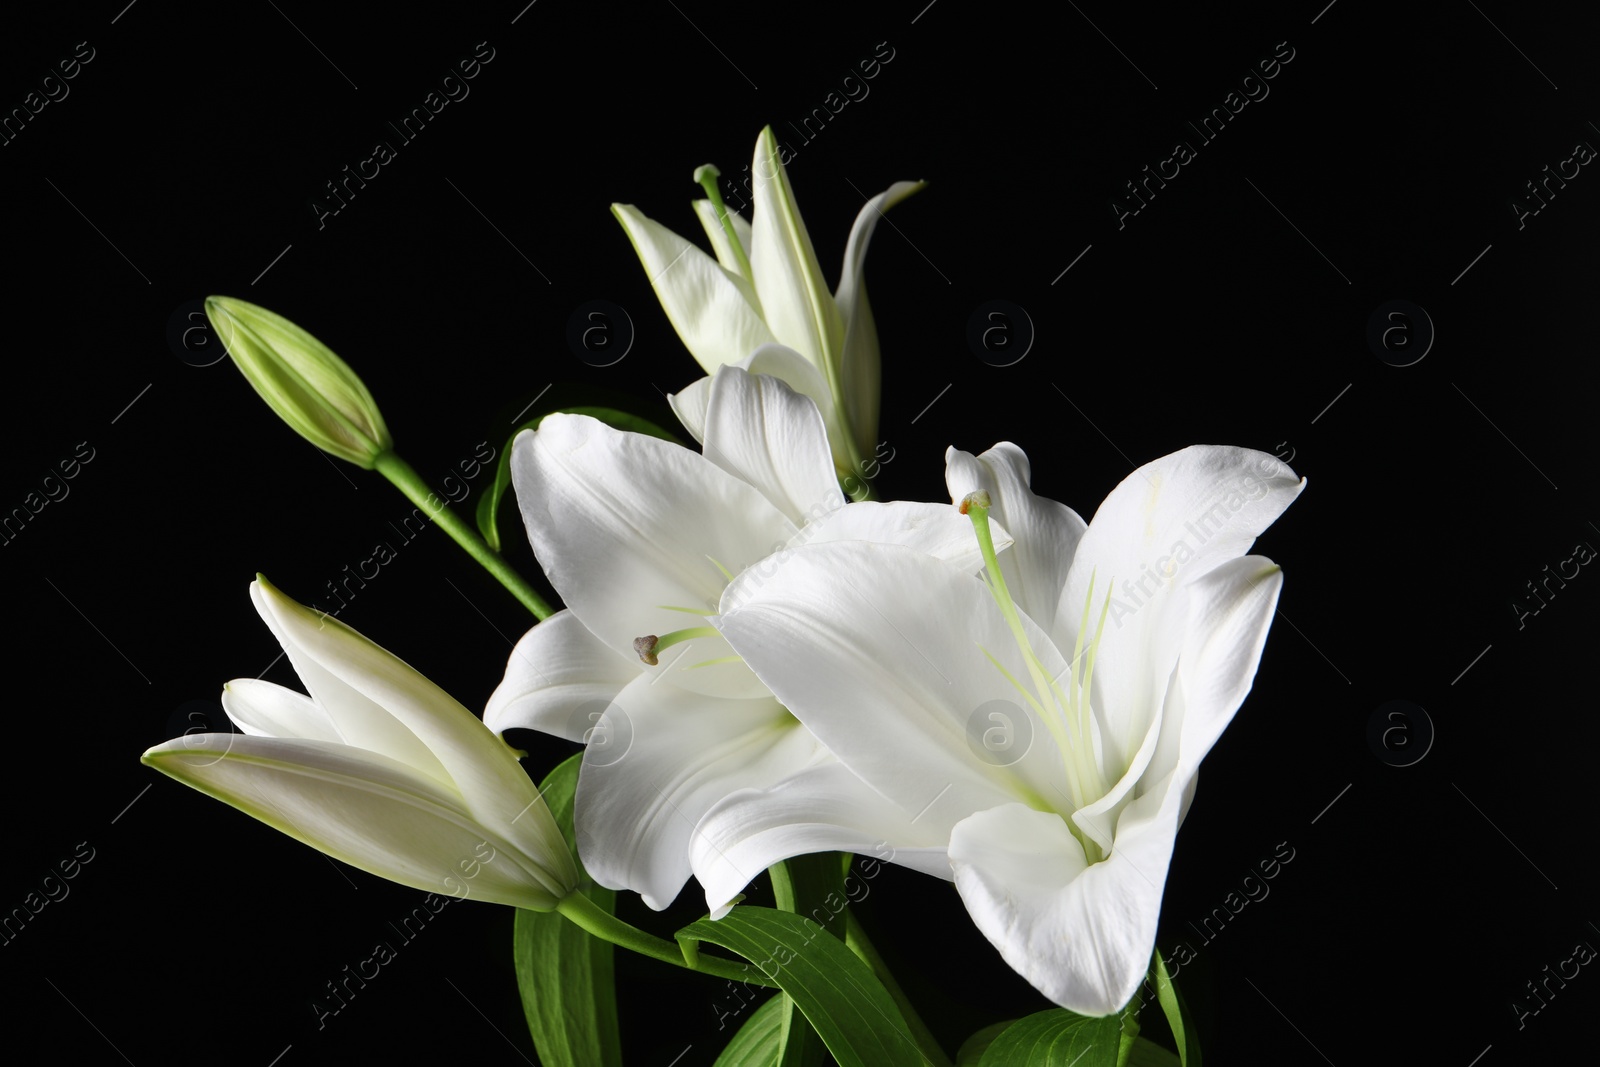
[[1045, 533], [823, 808], [559, 679], [689, 404], [894, 679], [1082, 935], [860, 363], [368, 810], [795, 300], [630, 527], [708, 305], [1167, 524], [792, 367], [938, 530], [268, 710], [761, 430], [637, 808], [316, 645], [1230, 612]]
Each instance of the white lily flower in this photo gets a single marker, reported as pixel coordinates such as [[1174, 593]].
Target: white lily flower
[[640, 537], [379, 768], [1051, 722], [765, 286]]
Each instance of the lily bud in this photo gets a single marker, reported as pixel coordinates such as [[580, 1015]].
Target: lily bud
[[377, 767], [300, 378]]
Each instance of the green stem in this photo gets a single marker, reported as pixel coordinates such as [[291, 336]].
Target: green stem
[[594, 919], [855, 938], [408, 481]]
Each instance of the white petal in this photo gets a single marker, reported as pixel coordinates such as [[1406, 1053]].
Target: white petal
[[669, 757], [268, 710], [938, 530], [344, 670], [792, 367], [1229, 613], [761, 430], [1082, 935], [1085, 941], [795, 300], [1166, 525], [860, 363], [879, 650], [689, 404], [824, 808], [560, 678], [630, 527], [707, 213], [369, 811], [708, 306], [1044, 533], [322, 649]]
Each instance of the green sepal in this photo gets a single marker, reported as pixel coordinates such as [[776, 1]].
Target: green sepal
[[564, 975], [488, 509], [1055, 1037], [838, 993]]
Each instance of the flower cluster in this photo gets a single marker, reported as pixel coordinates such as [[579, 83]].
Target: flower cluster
[[991, 690]]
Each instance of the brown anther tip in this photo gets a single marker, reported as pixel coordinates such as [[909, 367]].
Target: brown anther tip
[[646, 647]]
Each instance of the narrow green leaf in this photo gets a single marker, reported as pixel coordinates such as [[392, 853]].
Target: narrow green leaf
[[1056, 1038], [973, 1048], [488, 510], [813, 886], [1177, 1015], [759, 1042], [564, 975], [839, 995]]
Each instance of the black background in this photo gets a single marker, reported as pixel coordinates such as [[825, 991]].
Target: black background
[[1232, 309]]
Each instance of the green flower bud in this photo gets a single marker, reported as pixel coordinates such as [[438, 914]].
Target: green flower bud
[[300, 378]]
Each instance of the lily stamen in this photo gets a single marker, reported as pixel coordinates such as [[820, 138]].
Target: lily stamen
[[650, 646]]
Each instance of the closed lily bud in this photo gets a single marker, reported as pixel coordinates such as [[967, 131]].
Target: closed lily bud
[[300, 378]]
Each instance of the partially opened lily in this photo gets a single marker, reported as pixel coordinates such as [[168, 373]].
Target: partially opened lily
[[764, 287], [1050, 722], [379, 768], [640, 537]]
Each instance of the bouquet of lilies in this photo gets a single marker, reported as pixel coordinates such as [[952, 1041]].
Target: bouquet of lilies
[[768, 668]]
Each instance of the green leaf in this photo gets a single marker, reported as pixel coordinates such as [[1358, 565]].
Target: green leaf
[[489, 503], [973, 1048], [1147, 1053], [808, 885], [813, 886], [1177, 1015], [839, 995], [759, 1042], [564, 975], [1056, 1038]]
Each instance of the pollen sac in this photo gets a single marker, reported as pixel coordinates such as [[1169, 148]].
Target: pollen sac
[[646, 647]]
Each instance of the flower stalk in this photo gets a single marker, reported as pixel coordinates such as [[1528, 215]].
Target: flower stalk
[[405, 478]]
